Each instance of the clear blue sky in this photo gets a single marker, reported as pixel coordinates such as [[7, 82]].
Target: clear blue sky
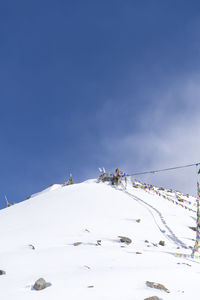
[[92, 83]]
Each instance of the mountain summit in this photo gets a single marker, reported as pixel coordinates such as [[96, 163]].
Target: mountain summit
[[97, 241]]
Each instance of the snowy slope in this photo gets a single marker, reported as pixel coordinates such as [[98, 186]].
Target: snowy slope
[[53, 220]]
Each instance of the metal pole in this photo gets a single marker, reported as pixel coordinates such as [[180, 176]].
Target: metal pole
[[197, 242], [7, 201]]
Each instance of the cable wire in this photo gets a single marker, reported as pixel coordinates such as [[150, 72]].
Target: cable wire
[[162, 170]]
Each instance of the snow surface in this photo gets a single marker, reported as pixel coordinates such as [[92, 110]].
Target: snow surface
[[53, 220]]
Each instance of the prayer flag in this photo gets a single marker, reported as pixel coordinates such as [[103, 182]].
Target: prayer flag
[[197, 244]]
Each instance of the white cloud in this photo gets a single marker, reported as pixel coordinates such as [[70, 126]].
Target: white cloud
[[168, 135]]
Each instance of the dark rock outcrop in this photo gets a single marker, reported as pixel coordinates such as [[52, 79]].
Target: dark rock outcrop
[[2, 272], [124, 239], [77, 243], [158, 286], [161, 189], [40, 284], [162, 243], [193, 228]]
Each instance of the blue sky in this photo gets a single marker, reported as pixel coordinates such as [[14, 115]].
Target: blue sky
[[85, 84]]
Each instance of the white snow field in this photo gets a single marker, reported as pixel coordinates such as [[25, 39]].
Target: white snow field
[[53, 220]]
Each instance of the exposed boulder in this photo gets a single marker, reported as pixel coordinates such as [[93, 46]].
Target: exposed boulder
[[193, 228], [124, 239], [40, 284], [162, 243], [2, 272], [161, 189], [158, 286], [77, 243]]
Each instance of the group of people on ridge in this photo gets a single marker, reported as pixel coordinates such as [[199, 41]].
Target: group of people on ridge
[[114, 178]]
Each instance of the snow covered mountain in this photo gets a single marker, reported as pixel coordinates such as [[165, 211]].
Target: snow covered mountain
[[72, 237]]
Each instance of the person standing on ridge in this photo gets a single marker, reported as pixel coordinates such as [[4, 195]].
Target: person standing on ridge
[[118, 175], [70, 179]]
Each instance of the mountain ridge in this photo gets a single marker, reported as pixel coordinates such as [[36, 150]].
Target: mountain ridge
[[94, 215]]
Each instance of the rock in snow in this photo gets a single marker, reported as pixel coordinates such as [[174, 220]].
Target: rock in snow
[[158, 286], [162, 243], [40, 284], [77, 243], [124, 239], [2, 272]]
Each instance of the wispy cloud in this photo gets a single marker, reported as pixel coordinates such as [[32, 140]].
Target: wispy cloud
[[168, 134]]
